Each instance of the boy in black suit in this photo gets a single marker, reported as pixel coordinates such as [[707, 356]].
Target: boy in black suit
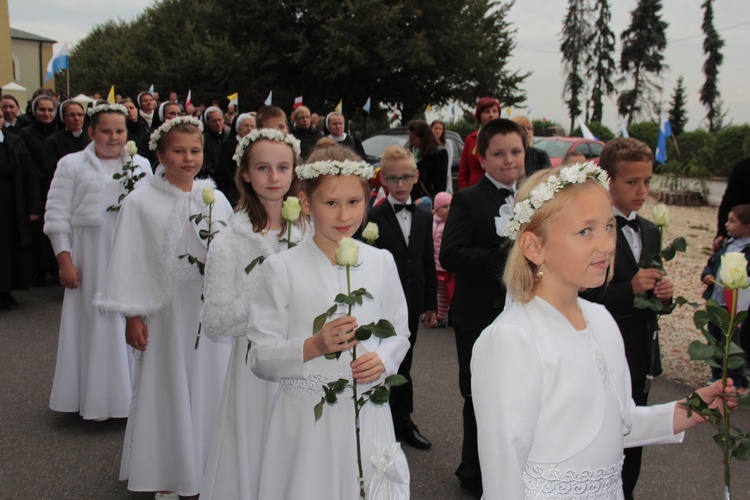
[[629, 164], [473, 251], [406, 231]]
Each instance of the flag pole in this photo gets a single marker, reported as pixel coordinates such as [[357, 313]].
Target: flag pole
[[67, 78], [675, 145]]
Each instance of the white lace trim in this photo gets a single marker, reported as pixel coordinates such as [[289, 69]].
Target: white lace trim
[[554, 484], [313, 385]]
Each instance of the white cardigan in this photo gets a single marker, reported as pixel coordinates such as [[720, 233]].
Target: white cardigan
[[76, 194], [227, 287], [535, 396]]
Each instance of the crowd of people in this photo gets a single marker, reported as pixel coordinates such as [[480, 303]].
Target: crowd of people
[[198, 249]]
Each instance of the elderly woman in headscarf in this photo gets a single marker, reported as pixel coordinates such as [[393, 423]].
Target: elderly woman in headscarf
[[71, 139], [336, 124], [146, 105], [214, 137], [43, 109]]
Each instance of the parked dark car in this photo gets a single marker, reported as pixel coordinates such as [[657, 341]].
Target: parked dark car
[[375, 146], [558, 147]]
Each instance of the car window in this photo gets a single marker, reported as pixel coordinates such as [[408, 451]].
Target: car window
[[376, 145], [555, 149], [596, 149], [583, 148]]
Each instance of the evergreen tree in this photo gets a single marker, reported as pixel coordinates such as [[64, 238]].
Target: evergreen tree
[[712, 45], [599, 62], [643, 44], [677, 112], [576, 33]]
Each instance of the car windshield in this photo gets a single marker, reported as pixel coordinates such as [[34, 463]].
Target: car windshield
[[555, 149], [375, 145]]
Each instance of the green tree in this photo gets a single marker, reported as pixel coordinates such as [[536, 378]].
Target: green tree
[[576, 34], [599, 62], [546, 128], [712, 45], [730, 148], [677, 112], [405, 52], [646, 132], [643, 44]]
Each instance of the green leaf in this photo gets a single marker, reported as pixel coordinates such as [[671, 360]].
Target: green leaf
[[735, 349], [255, 262], [718, 315], [333, 355], [744, 399], [678, 245], [339, 385], [396, 380], [319, 321], [740, 317], [700, 352], [380, 395], [681, 301], [331, 397], [204, 234], [713, 363], [117, 176], [318, 410], [382, 330], [735, 362], [736, 433], [700, 318], [742, 452]]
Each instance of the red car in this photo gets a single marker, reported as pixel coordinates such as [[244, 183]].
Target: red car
[[558, 147]]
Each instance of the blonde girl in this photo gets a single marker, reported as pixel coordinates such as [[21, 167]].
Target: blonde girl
[[550, 380], [155, 280]]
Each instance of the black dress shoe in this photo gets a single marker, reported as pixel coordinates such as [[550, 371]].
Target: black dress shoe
[[472, 488], [414, 438], [8, 302]]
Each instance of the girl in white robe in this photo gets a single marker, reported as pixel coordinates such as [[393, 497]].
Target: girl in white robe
[[265, 179], [154, 279], [94, 369], [305, 458], [550, 381]]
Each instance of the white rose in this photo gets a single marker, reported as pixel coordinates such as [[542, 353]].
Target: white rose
[[733, 273], [209, 195], [347, 253], [130, 148], [371, 232], [661, 215], [291, 209]]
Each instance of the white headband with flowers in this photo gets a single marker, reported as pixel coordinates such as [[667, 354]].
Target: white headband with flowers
[[167, 126], [508, 224], [107, 108], [271, 134], [333, 167]]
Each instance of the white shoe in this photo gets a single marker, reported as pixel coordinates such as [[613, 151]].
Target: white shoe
[[166, 496]]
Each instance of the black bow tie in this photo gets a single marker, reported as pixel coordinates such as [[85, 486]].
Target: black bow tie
[[633, 223], [397, 207], [506, 192]]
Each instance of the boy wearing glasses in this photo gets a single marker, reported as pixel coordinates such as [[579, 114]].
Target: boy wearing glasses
[[406, 231]]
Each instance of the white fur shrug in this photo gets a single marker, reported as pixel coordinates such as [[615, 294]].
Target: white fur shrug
[[76, 195], [227, 286]]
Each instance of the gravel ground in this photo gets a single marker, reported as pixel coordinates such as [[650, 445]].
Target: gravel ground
[[698, 226]]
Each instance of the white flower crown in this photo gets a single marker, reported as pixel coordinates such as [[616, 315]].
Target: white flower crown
[[271, 134], [102, 108], [167, 126], [508, 224], [333, 167]]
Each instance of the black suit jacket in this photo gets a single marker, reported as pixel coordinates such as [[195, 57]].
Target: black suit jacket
[[415, 263], [636, 325], [473, 251]]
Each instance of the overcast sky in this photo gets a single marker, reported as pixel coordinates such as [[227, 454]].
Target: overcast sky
[[538, 23]]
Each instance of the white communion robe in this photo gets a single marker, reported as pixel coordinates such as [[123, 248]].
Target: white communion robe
[[94, 368], [177, 387], [553, 405], [233, 467], [304, 458]]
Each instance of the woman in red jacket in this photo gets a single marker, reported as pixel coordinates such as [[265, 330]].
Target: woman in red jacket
[[470, 171]]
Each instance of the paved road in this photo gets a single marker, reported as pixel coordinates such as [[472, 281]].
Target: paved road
[[46, 455]]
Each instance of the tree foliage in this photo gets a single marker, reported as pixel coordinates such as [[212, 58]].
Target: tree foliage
[[576, 34], [646, 132], [677, 112], [712, 44], [643, 44], [599, 63], [405, 52]]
